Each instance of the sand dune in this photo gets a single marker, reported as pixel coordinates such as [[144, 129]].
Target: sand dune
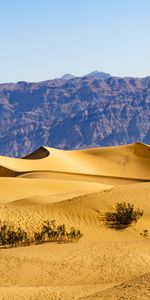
[[77, 188], [84, 212], [131, 161], [137, 288], [16, 188]]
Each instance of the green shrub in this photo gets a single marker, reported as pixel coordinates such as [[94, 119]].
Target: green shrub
[[125, 214]]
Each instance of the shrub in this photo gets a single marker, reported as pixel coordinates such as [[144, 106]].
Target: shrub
[[9, 236], [125, 214], [52, 233], [3, 234], [74, 234], [38, 237]]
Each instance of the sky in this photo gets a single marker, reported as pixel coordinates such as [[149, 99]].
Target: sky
[[45, 39]]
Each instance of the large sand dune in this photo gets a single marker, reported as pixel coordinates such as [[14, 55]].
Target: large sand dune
[[77, 188]]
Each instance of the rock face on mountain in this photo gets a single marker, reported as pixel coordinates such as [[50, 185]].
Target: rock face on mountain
[[74, 113]]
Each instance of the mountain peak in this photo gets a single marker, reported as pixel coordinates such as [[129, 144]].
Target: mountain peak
[[95, 74], [98, 74], [68, 76]]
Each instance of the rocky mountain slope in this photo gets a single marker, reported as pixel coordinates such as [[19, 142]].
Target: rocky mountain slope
[[74, 113]]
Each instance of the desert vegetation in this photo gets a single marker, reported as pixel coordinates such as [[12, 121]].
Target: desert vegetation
[[52, 233], [124, 215], [145, 233], [11, 236]]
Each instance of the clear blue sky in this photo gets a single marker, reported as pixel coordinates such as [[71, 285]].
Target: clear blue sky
[[43, 39]]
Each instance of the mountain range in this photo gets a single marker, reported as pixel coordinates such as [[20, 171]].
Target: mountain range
[[74, 112]]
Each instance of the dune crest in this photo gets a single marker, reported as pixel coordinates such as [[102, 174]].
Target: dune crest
[[128, 161], [142, 150]]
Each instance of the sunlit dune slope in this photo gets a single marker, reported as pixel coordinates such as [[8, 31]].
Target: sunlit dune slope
[[137, 288], [101, 256], [17, 188], [66, 174], [84, 211], [76, 188], [101, 179], [129, 161]]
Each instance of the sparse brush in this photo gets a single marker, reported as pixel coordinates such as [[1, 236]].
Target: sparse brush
[[11, 236], [125, 214], [52, 233]]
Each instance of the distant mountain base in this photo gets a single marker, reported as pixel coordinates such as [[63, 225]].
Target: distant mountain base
[[74, 112]]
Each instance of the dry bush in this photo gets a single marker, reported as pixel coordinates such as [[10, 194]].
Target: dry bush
[[11, 236], [52, 233], [125, 214]]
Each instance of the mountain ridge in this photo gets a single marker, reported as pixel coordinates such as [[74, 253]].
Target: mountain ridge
[[77, 113]]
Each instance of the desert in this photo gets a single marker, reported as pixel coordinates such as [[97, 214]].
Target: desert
[[76, 188], [75, 150]]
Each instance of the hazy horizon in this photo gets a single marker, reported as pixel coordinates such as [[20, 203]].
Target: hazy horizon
[[77, 76]]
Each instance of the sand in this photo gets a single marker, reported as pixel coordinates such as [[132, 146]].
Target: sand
[[77, 188]]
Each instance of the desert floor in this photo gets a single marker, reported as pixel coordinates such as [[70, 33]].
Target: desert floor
[[77, 188]]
